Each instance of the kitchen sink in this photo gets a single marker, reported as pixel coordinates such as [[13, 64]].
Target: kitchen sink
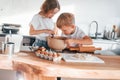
[[104, 40], [96, 38]]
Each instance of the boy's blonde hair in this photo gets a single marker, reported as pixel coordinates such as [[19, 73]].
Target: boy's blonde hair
[[65, 19], [49, 5]]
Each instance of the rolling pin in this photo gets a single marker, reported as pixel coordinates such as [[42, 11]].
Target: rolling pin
[[89, 49]]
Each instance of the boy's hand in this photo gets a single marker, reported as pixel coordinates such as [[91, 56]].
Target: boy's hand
[[68, 42]]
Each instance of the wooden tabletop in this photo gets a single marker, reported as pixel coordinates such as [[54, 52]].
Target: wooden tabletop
[[5, 62], [29, 63]]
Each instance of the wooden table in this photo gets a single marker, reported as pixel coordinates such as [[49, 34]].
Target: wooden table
[[35, 68]]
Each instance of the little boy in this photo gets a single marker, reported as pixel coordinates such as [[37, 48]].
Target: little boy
[[75, 36]]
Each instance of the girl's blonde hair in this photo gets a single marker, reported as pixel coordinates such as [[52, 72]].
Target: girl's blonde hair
[[50, 5], [65, 19]]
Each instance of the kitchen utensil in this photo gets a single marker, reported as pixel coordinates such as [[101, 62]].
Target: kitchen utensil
[[3, 47], [81, 57], [16, 39], [8, 48], [52, 35], [110, 33], [89, 49], [14, 28]]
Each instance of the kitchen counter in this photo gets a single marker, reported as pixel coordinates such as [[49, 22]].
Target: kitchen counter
[[35, 68], [5, 62], [105, 41], [106, 44]]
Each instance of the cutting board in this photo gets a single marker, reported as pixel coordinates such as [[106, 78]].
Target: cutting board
[[70, 57]]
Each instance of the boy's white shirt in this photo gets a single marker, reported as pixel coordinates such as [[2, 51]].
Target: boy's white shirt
[[39, 22], [78, 34]]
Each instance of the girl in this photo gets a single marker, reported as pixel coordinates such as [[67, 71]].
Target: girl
[[42, 25]]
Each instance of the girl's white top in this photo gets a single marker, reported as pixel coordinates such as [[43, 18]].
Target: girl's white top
[[40, 22]]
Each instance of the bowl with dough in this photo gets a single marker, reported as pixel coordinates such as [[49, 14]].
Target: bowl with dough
[[56, 43]]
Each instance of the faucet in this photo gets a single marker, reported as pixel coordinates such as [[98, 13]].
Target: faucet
[[96, 33]]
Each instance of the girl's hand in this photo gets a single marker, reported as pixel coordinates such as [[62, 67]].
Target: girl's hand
[[48, 31]]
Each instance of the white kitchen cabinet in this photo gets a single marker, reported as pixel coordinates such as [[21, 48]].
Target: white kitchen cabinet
[[104, 44]]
